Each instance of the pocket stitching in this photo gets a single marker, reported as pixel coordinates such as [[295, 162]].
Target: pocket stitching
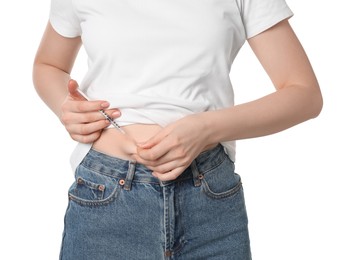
[[220, 195], [98, 202], [105, 201], [91, 185]]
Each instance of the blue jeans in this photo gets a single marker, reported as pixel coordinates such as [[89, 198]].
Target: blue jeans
[[118, 210]]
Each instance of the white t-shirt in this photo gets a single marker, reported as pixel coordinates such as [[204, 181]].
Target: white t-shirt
[[160, 60]]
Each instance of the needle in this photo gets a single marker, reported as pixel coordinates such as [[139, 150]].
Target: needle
[[110, 119]]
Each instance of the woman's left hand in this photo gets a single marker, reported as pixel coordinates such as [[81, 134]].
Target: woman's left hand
[[173, 149]]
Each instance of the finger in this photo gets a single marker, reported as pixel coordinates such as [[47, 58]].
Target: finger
[[75, 94], [171, 158], [150, 155], [169, 176], [160, 149], [168, 167], [113, 113], [95, 116], [86, 139], [69, 119], [152, 141], [87, 129], [85, 106], [73, 90]]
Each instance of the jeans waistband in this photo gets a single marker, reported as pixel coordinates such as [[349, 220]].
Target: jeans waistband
[[131, 171]]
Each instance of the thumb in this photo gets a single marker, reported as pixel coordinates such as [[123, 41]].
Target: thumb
[[73, 90], [151, 142]]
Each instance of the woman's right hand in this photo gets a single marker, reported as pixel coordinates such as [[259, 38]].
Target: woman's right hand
[[82, 118]]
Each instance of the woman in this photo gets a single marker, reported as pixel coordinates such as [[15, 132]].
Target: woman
[[165, 187]]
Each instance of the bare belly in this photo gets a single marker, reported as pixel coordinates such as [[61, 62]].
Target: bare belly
[[117, 144]]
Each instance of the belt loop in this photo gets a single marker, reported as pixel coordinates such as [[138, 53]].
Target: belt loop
[[130, 176], [196, 175]]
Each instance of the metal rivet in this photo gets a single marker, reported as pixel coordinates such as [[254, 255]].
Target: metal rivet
[[101, 188], [200, 176], [80, 181], [122, 182]]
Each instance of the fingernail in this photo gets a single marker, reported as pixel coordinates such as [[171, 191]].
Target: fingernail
[[105, 104], [116, 114]]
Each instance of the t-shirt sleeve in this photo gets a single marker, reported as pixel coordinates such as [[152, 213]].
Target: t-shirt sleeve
[[64, 19], [260, 15]]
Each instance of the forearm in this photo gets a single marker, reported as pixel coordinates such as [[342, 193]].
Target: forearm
[[51, 85], [52, 65], [267, 115]]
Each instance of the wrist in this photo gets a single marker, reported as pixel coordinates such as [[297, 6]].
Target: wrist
[[209, 130]]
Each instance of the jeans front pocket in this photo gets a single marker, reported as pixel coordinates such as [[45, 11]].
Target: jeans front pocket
[[91, 188], [222, 181]]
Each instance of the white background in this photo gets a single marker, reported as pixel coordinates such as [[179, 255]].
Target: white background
[[298, 183]]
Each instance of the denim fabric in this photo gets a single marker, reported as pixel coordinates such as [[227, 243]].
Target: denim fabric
[[118, 210]]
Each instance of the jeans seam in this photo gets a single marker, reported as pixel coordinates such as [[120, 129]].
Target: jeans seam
[[213, 167], [103, 173], [64, 233]]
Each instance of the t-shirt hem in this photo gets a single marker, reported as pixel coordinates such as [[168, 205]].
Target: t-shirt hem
[[287, 14], [63, 31], [79, 154]]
